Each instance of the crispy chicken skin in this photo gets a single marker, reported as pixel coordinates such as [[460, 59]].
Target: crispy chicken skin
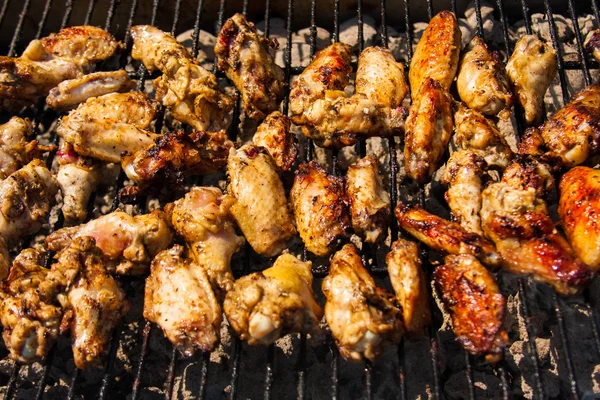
[[71, 92], [410, 285], [369, 201], [428, 130], [530, 69], [320, 208], [260, 207], [476, 306], [77, 181], [267, 305], [380, 77], [482, 82], [363, 318], [179, 298], [246, 59], [130, 242], [436, 54], [578, 209], [274, 135], [26, 198], [445, 236], [592, 43], [203, 219]]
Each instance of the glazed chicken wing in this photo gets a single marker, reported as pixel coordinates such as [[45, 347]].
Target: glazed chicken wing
[[380, 77], [320, 208], [259, 207], [179, 298], [476, 306], [274, 135], [592, 43], [267, 305], [363, 318], [246, 59], [531, 68]]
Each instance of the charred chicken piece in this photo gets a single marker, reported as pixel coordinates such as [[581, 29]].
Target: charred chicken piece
[[259, 207], [410, 285], [531, 68], [246, 59], [363, 318], [264, 306], [380, 77], [445, 236], [369, 200], [476, 306], [592, 43], [274, 135], [320, 208], [180, 299]]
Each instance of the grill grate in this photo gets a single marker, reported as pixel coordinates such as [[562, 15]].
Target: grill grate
[[561, 309]]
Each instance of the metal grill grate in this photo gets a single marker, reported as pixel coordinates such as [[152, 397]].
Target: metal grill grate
[[334, 365]]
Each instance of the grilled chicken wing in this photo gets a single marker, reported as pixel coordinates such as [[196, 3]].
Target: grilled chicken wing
[[363, 318], [369, 201], [259, 207], [320, 208], [179, 298], [445, 236], [409, 283], [428, 130], [264, 306], [71, 92], [77, 181], [380, 77], [274, 135], [202, 218], [531, 68], [482, 82], [4, 260], [592, 43], [131, 242], [246, 59], [477, 307], [578, 208], [436, 54], [26, 198]]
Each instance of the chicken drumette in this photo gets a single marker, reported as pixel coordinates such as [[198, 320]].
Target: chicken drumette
[[274, 135]]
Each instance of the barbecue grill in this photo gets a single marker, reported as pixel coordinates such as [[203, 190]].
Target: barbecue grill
[[557, 342]]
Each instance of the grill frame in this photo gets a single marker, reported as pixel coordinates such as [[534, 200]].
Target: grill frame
[[584, 64]]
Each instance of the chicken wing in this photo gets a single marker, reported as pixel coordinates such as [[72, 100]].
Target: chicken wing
[[409, 283], [77, 181], [274, 135], [369, 200], [320, 208], [178, 298], [246, 59], [363, 318], [428, 130], [530, 69], [436, 54], [476, 306], [380, 77], [264, 306], [259, 207], [592, 43]]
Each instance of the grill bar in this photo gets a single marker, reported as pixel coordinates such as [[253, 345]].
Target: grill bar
[[171, 374], [17, 35], [43, 18], [137, 383], [3, 10], [90, 11]]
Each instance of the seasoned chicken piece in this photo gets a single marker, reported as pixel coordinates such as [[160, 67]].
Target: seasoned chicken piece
[[436, 54], [482, 82], [527, 172], [428, 130], [592, 43], [4, 260], [531, 68], [369, 200], [578, 209], [409, 283], [445, 236], [463, 178], [380, 77], [71, 92], [178, 298], [131, 242], [259, 207], [77, 181], [363, 318], [476, 306], [320, 208], [476, 133], [274, 135], [246, 59], [202, 218], [267, 305], [26, 198]]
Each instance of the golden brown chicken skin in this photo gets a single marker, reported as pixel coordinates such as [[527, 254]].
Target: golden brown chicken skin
[[274, 135], [380, 77], [246, 59], [476, 306], [320, 208]]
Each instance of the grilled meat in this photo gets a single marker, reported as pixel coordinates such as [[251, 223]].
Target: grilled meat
[[380, 77], [592, 43], [274, 135], [77, 181]]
